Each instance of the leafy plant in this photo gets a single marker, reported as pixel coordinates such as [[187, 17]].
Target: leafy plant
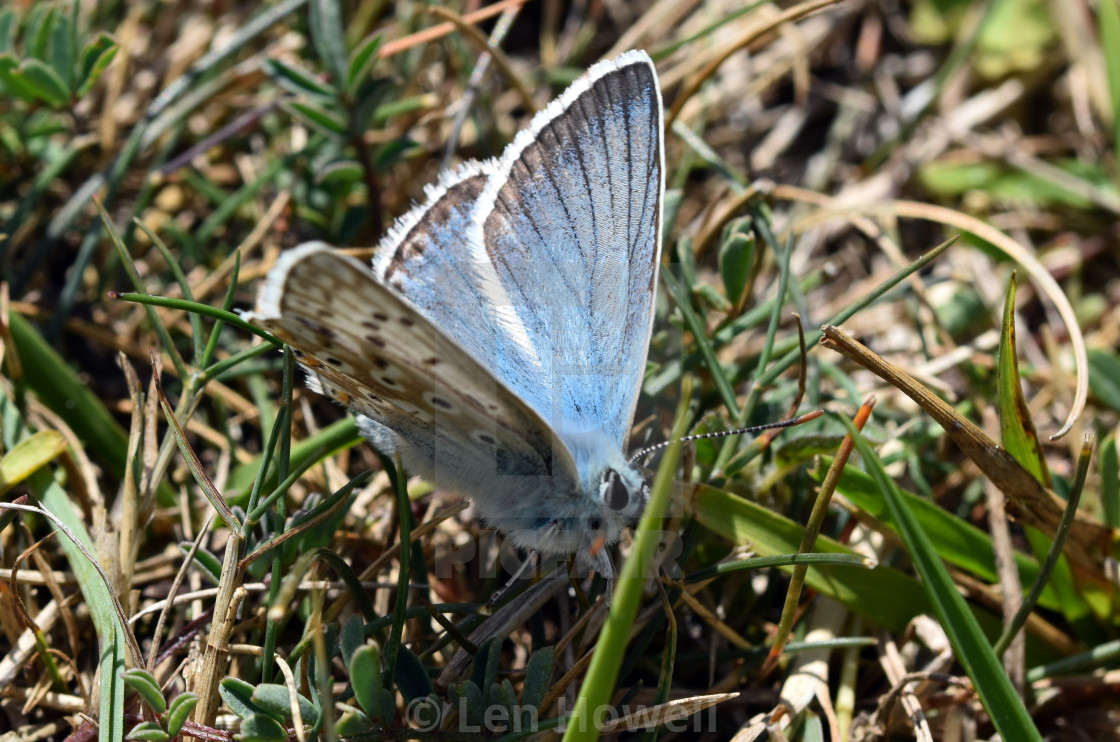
[[49, 63]]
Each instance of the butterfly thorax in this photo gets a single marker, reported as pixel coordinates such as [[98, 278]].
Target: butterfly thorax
[[581, 517]]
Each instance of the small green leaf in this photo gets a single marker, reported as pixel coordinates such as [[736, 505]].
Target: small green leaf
[[708, 293], [39, 33], [1004, 183], [13, 80], [470, 696], [27, 456], [538, 671], [395, 107], [485, 668], [353, 722], [391, 153], [365, 677], [361, 61], [44, 81], [427, 714], [320, 118], [148, 731], [8, 24], [261, 728], [351, 638], [1017, 431], [275, 700], [61, 54], [146, 686], [238, 695], [1104, 377], [502, 695], [326, 33], [341, 172], [179, 710], [46, 123], [298, 80], [736, 257], [95, 58], [411, 675]]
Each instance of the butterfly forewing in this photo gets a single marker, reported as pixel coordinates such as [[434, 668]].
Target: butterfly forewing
[[378, 355], [571, 224], [426, 257]]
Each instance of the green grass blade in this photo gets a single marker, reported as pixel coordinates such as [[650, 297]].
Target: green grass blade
[[235, 200], [1108, 12], [60, 389], [1017, 431], [334, 438], [1054, 553], [190, 306], [700, 336], [1110, 481], [216, 331], [181, 279], [138, 284], [326, 34], [107, 618], [840, 317], [957, 541], [972, 649], [783, 560], [603, 672], [197, 469]]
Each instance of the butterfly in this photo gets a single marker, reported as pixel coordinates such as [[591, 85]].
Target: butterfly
[[499, 341]]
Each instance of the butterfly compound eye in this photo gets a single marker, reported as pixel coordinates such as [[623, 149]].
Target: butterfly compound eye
[[613, 491]]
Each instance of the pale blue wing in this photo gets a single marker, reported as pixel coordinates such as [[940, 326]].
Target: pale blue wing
[[571, 222], [425, 259]]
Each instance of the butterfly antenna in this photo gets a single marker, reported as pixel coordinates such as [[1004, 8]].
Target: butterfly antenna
[[788, 423]]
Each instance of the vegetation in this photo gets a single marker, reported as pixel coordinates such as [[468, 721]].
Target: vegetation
[[196, 545]]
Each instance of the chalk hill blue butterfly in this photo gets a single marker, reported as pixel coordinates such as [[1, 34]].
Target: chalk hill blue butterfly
[[500, 339]]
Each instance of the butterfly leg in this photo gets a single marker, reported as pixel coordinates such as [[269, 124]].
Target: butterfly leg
[[602, 562], [532, 560]]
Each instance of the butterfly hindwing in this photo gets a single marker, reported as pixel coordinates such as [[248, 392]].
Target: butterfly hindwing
[[426, 258]]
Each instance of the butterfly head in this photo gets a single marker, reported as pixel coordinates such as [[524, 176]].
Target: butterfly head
[[609, 496], [615, 494], [617, 501], [620, 498]]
